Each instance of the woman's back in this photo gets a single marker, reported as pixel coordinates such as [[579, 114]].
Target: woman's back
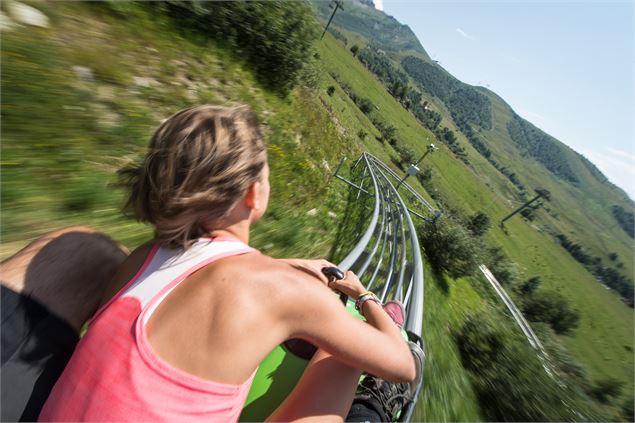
[[170, 345]]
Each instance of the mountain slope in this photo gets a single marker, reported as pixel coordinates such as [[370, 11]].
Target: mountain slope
[[374, 25], [583, 200], [496, 173]]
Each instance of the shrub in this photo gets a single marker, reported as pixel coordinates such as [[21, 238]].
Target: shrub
[[330, 90], [361, 134], [552, 308], [354, 49], [387, 131], [407, 155], [604, 389], [425, 176], [365, 105], [627, 410], [479, 223], [274, 37], [530, 285], [450, 247], [625, 219], [503, 269], [508, 377]]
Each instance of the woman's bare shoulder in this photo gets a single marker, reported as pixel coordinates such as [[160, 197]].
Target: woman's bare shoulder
[[265, 272], [126, 271]]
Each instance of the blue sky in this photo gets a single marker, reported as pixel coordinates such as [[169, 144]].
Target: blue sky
[[566, 66]]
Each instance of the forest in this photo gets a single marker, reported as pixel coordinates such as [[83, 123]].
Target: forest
[[542, 147], [465, 103]]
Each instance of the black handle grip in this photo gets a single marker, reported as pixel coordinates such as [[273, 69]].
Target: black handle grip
[[337, 274], [333, 271]]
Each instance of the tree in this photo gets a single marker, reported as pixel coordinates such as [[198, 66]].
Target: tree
[[330, 90], [354, 49], [448, 135], [613, 256], [450, 248], [479, 223], [552, 308], [274, 37], [625, 219]]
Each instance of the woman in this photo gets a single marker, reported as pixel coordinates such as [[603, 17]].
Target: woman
[[197, 310]]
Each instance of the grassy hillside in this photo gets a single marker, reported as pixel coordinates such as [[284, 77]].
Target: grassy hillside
[[604, 339], [71, 116]]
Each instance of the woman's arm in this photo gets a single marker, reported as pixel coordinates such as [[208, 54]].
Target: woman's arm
[[314, 313]]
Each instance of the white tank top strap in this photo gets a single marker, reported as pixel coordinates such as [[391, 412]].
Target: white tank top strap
[[169, 267]]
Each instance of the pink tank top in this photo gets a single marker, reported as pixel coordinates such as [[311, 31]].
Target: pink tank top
[[114, 375]]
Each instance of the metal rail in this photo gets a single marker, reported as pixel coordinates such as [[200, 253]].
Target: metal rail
[[389, 246], [520, 320]]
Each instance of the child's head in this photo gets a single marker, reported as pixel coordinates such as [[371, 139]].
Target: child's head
[[201, 162]]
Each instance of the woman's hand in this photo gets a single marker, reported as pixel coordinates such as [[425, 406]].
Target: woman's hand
[[350, 285], [312, 267]]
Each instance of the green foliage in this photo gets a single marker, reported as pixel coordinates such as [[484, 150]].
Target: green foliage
[[338, 35], [361, 134], [609, 276], [465, 103], [429, 118], [605, 389], [597, 174], [448, 136], [395, 81], [508, 377], [387, 131], [425, 176], [275, 37], [530, 285], [505, 271], [450, 247], [330, 90], [627, 410], [354, 49], [479, 223], [529, 212], [476, 140], [364, 104], [625, 219], [406, 155], [541, 147], [552, 308]]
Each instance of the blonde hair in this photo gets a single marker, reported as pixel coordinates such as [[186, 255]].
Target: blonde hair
[[201, 160]]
